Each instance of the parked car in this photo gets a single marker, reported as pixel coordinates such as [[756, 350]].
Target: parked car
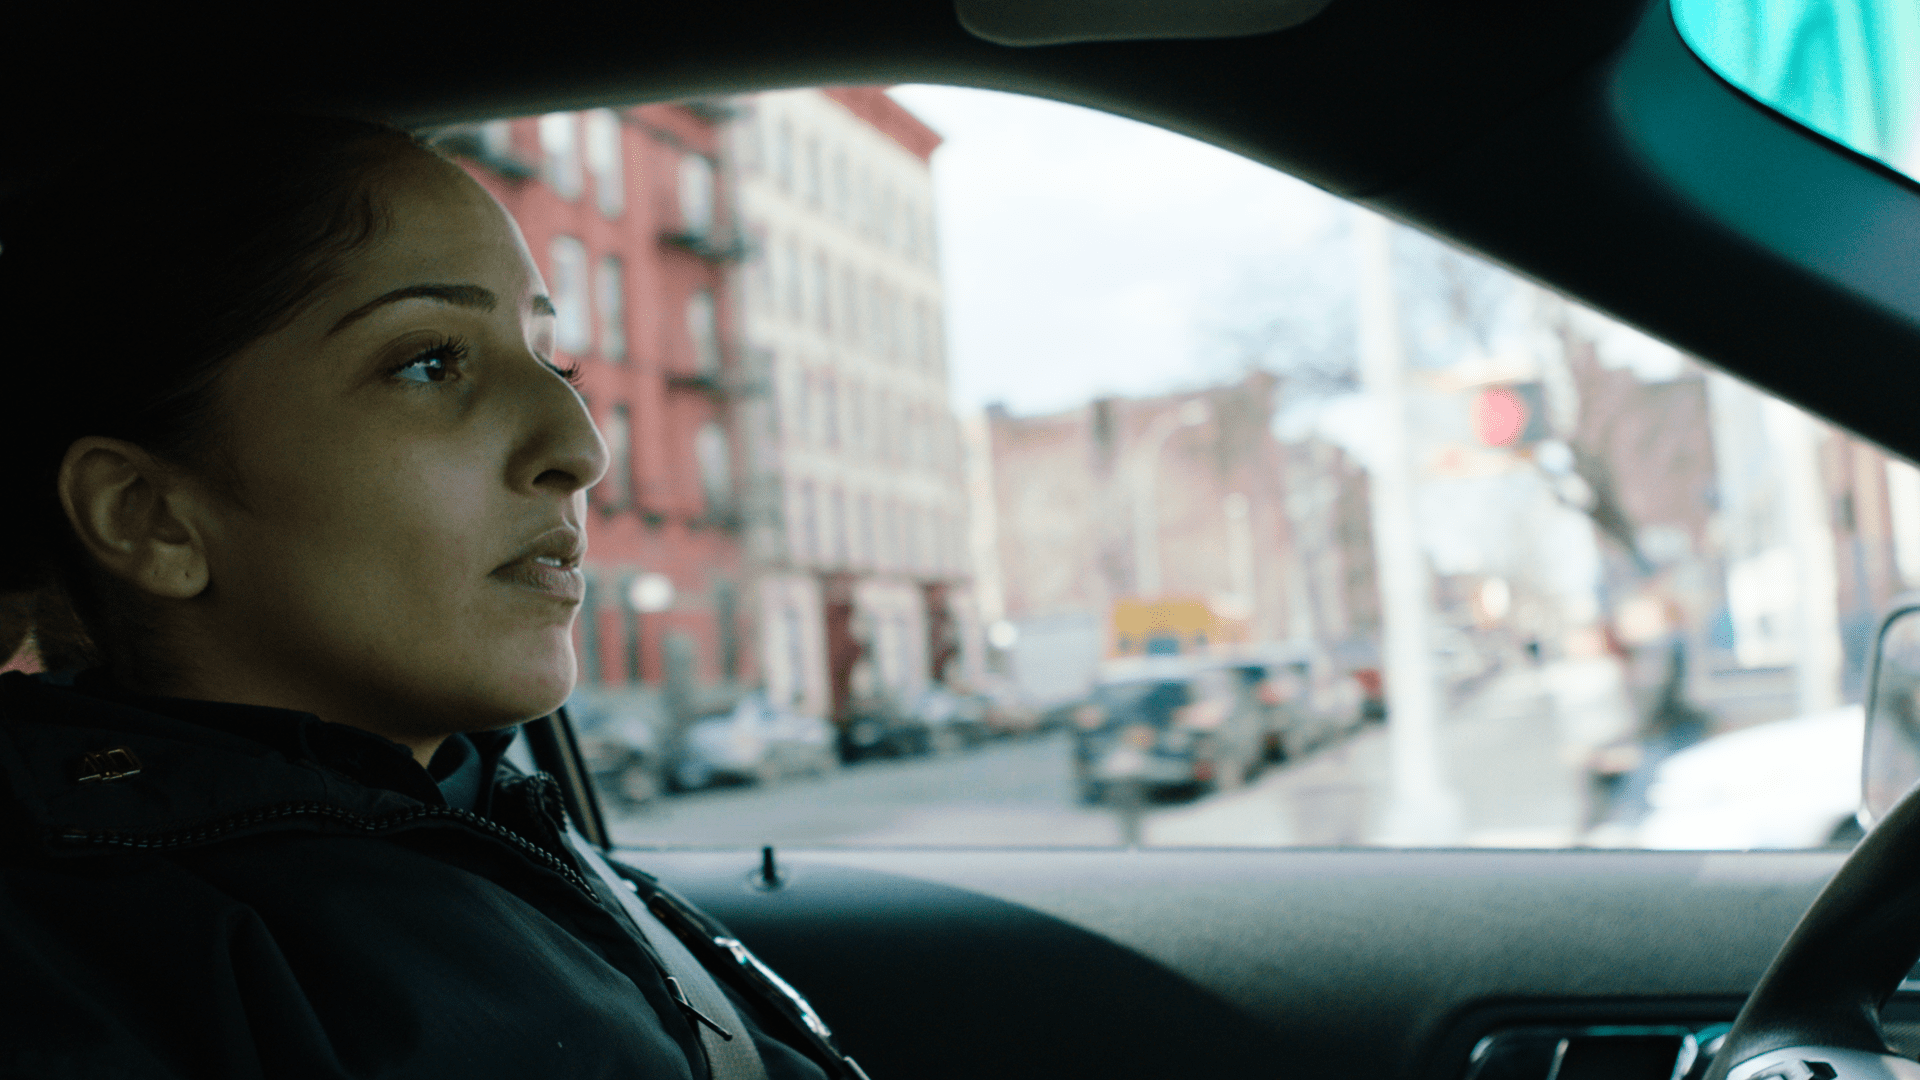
[[1786, 784], [878, 727], [954, 720], [1172, 725], [619, 738], [753, 742], [1303, 703]]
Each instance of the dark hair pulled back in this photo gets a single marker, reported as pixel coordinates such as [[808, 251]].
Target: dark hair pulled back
[[128, 280]]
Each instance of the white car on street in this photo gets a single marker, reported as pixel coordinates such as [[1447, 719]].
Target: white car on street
[[1785, 784]]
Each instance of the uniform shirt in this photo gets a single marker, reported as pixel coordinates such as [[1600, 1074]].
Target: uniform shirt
[[203, 889]]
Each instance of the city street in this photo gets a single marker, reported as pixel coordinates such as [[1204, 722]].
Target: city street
[[1513, 755]]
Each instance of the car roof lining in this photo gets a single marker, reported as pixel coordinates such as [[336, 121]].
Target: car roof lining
[[1430, 113], [1058, 22]]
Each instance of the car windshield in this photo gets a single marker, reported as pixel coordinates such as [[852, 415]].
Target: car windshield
[[1142, 700], [952, 431]]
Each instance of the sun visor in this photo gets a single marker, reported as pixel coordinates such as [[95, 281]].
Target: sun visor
[[1060, 22]]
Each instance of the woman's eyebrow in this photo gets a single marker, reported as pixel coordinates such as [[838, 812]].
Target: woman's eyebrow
[[469, 296]]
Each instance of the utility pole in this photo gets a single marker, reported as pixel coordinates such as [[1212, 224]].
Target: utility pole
[[1817, 654], [1423, 810]]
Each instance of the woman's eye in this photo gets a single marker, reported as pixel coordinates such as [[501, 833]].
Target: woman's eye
[[427, 369], [433, 366]]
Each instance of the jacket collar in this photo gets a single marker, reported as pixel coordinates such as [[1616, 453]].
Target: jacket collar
[[89, 759]]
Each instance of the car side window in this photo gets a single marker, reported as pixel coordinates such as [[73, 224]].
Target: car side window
[[1032, 476]]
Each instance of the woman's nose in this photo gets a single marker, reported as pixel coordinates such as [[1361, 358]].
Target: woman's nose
[[561, 450]]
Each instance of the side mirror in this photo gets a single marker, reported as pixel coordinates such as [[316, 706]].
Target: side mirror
[[1890, 765]]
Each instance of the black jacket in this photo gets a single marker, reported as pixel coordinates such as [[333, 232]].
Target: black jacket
[[274, 896]]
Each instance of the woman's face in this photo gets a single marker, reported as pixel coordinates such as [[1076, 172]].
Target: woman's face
[[402, 550]]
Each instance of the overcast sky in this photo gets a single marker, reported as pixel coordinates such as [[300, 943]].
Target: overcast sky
[[1084, 254]]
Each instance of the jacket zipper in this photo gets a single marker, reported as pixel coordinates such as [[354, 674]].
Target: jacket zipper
[[226, 826]]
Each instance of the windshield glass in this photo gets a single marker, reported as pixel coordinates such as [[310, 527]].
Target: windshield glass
[[1038, 477], [1849, 69]]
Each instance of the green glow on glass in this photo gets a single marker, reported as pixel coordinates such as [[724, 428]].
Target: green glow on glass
[[1849, 69]]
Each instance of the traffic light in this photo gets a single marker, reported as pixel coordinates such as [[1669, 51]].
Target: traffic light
[[1513, 415]]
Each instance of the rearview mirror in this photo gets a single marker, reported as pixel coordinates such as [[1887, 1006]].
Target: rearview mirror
[[1891, 763]]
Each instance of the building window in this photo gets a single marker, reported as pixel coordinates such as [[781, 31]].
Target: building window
[[716, 466], [886, 214], [806, 525], [696, 195], [822, 301], [814, 185], [726, 605], [850, 306], [876, 308], [604, 160], [803, 407], [630, 642], [889, 533], [842, 187], [496, 140], [703, 331], [759, 274], [866, 530], [610, 303], [791, 283], [560, 153], [747, 142], [856, 419], [893, 322], [863, 202], [830, 411], [783, 154], [913, 539], [837, 513], [616, 488], [880, 431], [571, 328], [921, 352]]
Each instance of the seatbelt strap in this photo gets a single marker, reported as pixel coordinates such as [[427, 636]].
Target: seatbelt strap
[[731, 1054]]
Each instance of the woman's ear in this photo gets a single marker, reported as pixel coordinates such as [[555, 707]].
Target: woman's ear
[[134, 515]]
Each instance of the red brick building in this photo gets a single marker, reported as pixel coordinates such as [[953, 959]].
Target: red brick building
[[1066, 488], [625, 215]]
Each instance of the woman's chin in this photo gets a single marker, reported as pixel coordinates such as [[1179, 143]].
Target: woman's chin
[[530, 690]]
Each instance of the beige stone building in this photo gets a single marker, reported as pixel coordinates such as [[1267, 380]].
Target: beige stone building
[[863, 569]]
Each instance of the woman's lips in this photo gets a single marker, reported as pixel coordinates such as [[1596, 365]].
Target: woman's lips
[[547, 575]]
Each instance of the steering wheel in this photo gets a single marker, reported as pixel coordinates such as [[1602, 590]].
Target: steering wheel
[[1816, 1013]]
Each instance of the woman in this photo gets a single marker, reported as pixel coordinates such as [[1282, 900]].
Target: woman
[[297, 535]]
